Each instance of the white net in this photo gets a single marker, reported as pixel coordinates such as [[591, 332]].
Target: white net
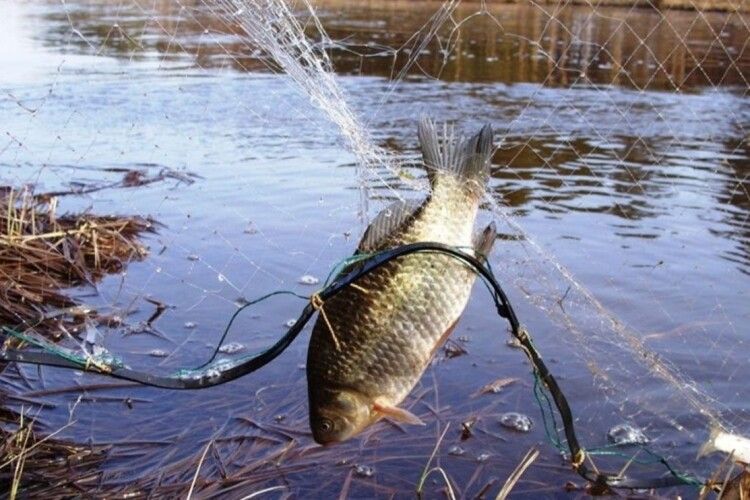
[[263, 135]]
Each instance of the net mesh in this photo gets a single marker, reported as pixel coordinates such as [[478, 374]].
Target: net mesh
[[274, 131]]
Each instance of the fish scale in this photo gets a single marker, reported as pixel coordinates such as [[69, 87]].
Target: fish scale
[[389, 325]]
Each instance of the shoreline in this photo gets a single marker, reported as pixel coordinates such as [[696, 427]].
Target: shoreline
[[724, 6]]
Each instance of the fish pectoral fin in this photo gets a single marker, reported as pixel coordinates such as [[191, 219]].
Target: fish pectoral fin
[[397, 414]]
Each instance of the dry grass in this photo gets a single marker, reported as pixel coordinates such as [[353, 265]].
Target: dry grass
[[42, 252], [43, 466]]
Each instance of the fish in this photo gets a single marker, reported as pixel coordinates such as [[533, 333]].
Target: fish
[[372, 341], [732, 444]]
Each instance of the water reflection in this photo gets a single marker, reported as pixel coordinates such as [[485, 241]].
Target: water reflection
[[554, 45]]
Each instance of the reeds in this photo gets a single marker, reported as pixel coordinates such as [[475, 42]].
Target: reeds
[[42, 252], [44, 465]]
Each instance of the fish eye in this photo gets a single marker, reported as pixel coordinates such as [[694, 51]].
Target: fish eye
[[325, 425]]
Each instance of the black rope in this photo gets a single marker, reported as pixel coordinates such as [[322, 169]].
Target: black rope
[[194, 379]]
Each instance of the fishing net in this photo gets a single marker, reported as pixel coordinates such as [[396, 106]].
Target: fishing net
[[260, 137]]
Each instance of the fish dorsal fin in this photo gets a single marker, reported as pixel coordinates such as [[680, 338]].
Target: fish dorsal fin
[[466, 159], [397, 414], [386, 223], [483, 241]]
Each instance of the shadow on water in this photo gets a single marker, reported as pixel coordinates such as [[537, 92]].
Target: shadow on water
[[623, 150]]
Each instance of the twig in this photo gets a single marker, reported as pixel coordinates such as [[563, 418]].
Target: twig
[[197, 471], [510, 483]]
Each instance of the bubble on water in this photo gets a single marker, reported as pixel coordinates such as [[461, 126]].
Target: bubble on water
[[627, 434], [308, 279], [290, 323], [456, 451], [231, 348], [364, 470], [158, 353], [516, 421], [189, 325]]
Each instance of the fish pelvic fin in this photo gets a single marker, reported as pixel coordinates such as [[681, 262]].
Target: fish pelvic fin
[[466, 159], [397, 414], [483, 241], [710, 445]]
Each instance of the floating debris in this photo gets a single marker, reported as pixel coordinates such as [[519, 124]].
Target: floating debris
[[626, 434], [738, 447], [483, 457], [140, 327], [231, 348], [308, 279], [158, 353], [456, 451], [364, 470], [467, 427], [454, 350], [516, 421], [496, 387], [189, 325], [290, 323], [193, 257]]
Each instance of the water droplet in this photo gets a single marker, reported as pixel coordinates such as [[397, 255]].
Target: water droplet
[[189, 325], [626, 434], [456, 450], [231, 348], [308, 280], [516, 421], [364, 470], [158, 353]]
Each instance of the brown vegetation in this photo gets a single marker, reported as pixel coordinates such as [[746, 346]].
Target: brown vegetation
[[42, 252]]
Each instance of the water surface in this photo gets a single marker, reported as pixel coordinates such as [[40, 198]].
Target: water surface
[[624, 156]]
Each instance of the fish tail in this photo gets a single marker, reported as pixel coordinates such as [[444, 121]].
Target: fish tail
[[710, 445], [466, 159]]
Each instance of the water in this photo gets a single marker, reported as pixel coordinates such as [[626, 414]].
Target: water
[[637, 188]]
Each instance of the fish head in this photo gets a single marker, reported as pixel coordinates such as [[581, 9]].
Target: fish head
[[338, 414]]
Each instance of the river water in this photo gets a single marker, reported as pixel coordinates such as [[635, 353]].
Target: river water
[[623, 166]]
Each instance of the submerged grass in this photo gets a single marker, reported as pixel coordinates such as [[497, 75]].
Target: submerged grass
[[44, 467]]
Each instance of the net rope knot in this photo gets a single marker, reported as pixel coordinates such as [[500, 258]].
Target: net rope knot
[[317, 302], [578, 459]]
